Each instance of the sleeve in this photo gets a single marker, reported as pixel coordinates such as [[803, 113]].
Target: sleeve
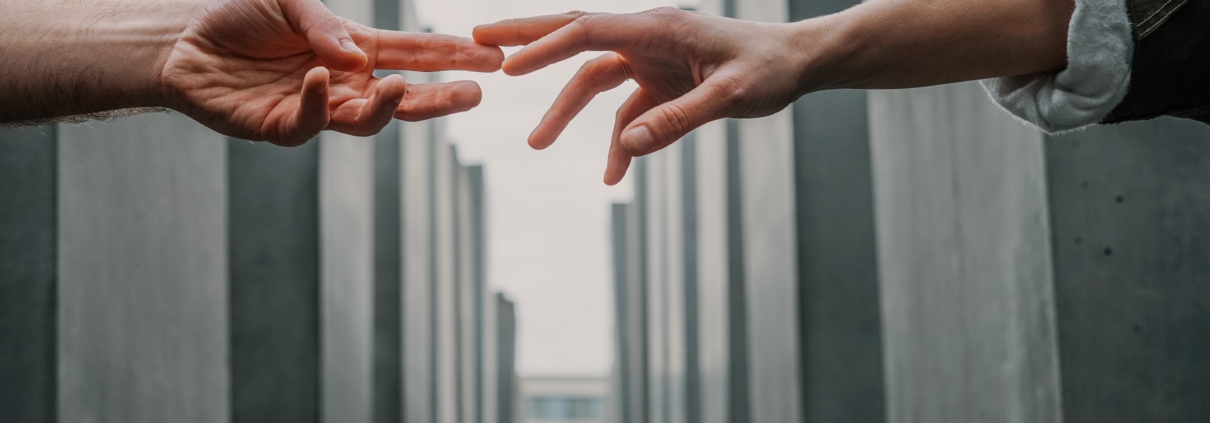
[[1100, 50], [1170, 73]]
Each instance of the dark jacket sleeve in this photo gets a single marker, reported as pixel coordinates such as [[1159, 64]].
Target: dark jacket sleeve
[[1170, 72]]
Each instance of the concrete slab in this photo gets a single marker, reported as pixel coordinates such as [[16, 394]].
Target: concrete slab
[[273, 232], [964, 257], [29, 274], [143, 316], [1128, 213]]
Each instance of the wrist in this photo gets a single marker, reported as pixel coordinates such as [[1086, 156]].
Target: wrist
[[134, 46], [822, 50]]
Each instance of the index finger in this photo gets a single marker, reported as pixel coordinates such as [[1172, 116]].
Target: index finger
[[522, 31], [425, 52]]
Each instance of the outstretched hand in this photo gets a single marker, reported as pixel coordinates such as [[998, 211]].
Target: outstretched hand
[[691, 69], [284, 70]]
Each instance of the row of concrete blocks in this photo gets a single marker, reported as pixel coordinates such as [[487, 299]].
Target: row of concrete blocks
[[915, 256], [152, 270]]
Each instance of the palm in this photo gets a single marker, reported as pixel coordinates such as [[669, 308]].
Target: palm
[[243, 68]]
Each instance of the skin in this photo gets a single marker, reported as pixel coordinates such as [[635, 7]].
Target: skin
[[265, 70], [693, 68]]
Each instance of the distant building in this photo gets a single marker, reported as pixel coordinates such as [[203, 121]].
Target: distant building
[[563, 399]]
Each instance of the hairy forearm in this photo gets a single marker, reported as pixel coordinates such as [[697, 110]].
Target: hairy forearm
[[65, 58], [912, 43]]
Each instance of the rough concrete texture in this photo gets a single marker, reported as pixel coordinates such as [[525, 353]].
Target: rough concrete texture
[[839, 321], [1130, 229], [28, 274], [621, 374], [964, 257], [273, 233], [143, 325]]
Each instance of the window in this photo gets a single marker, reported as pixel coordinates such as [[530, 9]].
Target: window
[[561, 408]]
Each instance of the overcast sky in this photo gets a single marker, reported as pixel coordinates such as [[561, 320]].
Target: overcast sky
[[548, 210]]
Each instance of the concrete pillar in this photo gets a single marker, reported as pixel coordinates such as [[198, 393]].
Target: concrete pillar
[[29, 274], [506, 336], [638, 321], [419, 270], [142, 272], [491, 391], [274, 250], [656, 235], [620, 401], [446, 359], [839, 317], [964, 259], [468, 305], [722, 323], [477, 203], [1129, 225]]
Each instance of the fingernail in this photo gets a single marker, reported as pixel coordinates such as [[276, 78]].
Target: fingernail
[[637, 140]]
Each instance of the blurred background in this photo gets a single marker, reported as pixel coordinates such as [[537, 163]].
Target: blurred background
[[884, 256]]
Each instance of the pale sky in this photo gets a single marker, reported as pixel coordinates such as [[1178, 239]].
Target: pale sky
[[548, 210]]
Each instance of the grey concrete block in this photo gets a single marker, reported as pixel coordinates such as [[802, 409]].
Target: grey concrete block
[[346, 275], [770, 268], [672, 286], [273, 210], [468, 316], [638, 297], [447, 356], [723, 393], [419, 267], [506, 321], [1128, 214], [388, 277], [143, 317], [28, 274], [656, 285], [477, 203], [964, 257], [620, 401], [839, 321]]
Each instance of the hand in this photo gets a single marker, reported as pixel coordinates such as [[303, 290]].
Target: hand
[[284, 70], [691, 69]]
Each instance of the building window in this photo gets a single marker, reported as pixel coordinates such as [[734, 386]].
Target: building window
[[562, 408]]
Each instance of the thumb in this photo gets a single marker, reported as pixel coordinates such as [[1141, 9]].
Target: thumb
[[326, 33], [668, 122]]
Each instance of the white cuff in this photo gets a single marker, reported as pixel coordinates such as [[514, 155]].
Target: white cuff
[[1099, 52]]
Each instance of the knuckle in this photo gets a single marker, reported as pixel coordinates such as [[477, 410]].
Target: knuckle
[[675, 120]]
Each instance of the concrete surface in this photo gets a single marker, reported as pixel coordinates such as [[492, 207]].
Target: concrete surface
[[143, 315], [273, 232], [29, 274], [964, 257], [1128, 211]]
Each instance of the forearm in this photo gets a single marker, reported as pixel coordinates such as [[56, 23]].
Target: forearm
[[912, 43], [66, 58]]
